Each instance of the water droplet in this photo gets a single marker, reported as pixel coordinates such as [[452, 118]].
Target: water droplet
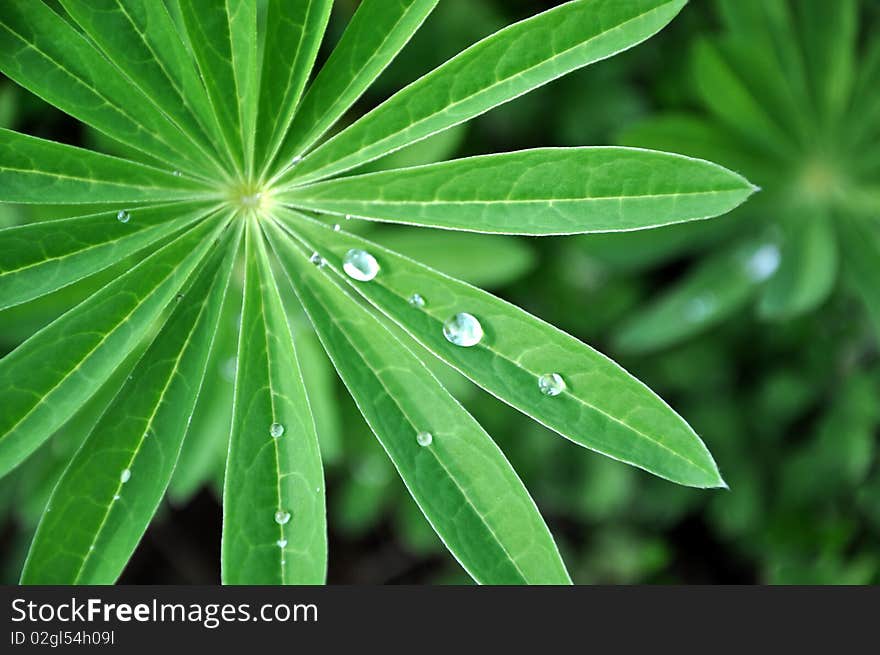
[[125, 476], [424, 438], [116, 497], [282, 543], [296, 160], [276, 430], [282, 517], [463, 330], [764, 262], [180, 296], [348, 217], [123, 216], [337, 228], [551, 384], [699, 309], [177, 173], [317, 260], [360, 265], [416, 300]]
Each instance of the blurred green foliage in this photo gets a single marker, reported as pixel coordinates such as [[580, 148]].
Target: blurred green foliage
[[756, 327]]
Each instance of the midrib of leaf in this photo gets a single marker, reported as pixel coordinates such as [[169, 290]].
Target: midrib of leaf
[[148, 427], [289, 224], [69, 373], [277, 136], [110, 104], [174, 86], [292, 179], [245, 119], [336, 109], [406, 415], [303, 248], [193, 217]]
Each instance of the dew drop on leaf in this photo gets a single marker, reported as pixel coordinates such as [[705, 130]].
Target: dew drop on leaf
[[360, 265], [125, 476], [317, 260], [764, 262], [699, 309], [416, 300], [123, 216], [282, 543], [276, 430], [463, 329], [551, 384], [424, 438], [177, 173], [348, 217], [282, 517], [337, 228]]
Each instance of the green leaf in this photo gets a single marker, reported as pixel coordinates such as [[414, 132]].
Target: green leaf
[[829, 33], [539, 192], [484, 260], [860, 240], [808, 270], [42, 257], [274, 519], [223, 38], [293, 36], [44, 172], [46, 55], [499, 68], [602, 408], [46, 379], [718, 289], [376, 33], [461, 480], [141, 39], [109, 493]]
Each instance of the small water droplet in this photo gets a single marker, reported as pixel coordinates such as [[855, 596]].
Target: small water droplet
[[416, 300], [177, 173], [276, 430], [282, 517], [337, 228], [424, 438], [116, 497], [551, 384], [296, 160], [123, 216], [317, 260], [699, 309], [463, 330], [282, 543], [348, 217], [764, 262], [125, 476], [180, 296], [360, 265]]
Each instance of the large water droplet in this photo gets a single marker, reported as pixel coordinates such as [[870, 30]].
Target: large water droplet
[[764, 262], [123, 216], [416, 300], [360, 265], [463, 330], [282, 517], [424, 438], [317, 260], [551, 384], [282, 543], [125, 476], [276, 430]]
